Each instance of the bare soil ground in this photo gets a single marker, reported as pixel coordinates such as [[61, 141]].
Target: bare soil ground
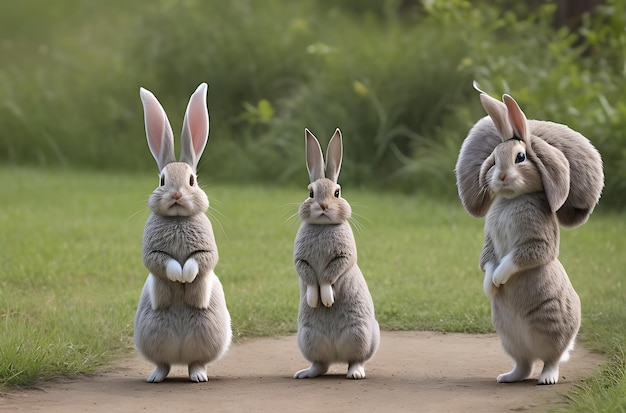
[[412, 372]]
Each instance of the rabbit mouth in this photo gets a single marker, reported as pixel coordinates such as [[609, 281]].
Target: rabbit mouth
[[322, 217], [505, 190], [500, 187], [177, 208]]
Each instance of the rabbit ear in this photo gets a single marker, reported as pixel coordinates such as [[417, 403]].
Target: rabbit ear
[[158, 129], [195, 128], [314, 157], [334, 154], [554, 170], [516, 117], [498, 113], [475, 155]]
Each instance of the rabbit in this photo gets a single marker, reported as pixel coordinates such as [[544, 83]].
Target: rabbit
[[526, 178], [182, 316], [336, 320]]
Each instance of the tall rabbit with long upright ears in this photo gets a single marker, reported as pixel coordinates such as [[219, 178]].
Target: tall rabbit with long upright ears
[[182, 316], [527, 177]]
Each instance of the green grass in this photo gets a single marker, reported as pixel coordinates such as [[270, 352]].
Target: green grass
[[72, 270]]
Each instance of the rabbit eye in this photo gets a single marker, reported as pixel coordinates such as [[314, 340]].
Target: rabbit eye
[[521, 157], [311, 194], [337, 193], [191, 180], [162, 180]]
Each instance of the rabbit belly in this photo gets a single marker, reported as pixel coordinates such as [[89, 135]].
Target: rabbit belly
[[354, 343], [346, 332], [537, 314], [181, 334]]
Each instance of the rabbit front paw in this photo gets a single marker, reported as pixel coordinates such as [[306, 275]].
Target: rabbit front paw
[[505, 270], [488, 286], [173, 270], [327, 295], [312, 295], [190, 270]]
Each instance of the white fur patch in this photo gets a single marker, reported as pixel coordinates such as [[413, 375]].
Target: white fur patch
[[190, 270], [327, 295], [174, 271], [312, 295], [209, 280], [150, 287], [505, 270], [488, 281]]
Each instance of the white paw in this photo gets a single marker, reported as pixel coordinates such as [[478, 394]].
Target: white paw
[[159, 374], [315, 370], [505, 270], [312, 295], [520, 372], [504, 378], [488, 285], [197, 373], [327, 295], [356, 371], [173, 270], [190, 270], [549, 375]]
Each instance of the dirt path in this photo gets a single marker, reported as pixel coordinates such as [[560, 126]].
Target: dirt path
[[412, 372]]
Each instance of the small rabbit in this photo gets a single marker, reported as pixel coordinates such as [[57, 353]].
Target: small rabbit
[[527, 177], [182, 316], [343, 329]]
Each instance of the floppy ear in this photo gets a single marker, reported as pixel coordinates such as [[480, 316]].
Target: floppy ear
[[314, 157], [476, 149], [195, 128], [585, 167], [554, 170], [158, 129], [498, 113], [334, 154]]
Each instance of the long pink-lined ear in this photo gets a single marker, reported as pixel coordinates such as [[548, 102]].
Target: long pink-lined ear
[[314, 157], [498, 113], [334, 154], [158, 129], [516, 117], [195, 132], [554, 170]]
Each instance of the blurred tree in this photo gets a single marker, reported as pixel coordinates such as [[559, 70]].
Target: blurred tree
[[569, 13]]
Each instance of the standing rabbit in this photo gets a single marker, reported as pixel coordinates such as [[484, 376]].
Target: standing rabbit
[[528, 177], [182, 316], [343, 329]]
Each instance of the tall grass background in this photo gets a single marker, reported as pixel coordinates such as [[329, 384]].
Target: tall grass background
[[395, 76]]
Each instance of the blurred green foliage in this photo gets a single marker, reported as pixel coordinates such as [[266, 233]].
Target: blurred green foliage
[[395, 76]]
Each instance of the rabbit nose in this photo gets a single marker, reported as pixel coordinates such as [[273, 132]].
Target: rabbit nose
[[178, 195], [502, 176], [324, 206]]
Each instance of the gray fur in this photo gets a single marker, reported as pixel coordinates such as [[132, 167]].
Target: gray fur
[[343, 329], [536, 313], [535, 310], [585, 164], [182, 316]]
